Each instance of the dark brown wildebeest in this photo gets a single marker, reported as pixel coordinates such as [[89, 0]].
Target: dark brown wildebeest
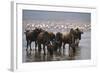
[[43, 39], [58, 41], [31, 36], [78, 34], [50, 46]]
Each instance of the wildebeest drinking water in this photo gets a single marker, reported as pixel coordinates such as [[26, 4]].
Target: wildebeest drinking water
[[52, 48]]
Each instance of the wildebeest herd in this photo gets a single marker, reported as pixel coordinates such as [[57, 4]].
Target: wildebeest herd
[[53, 43]]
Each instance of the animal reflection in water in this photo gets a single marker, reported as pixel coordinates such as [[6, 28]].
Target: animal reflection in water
[[50, 46]]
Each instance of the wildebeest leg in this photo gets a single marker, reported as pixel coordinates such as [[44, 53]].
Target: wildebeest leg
[[30, 46], [63, 48], [39, 48], [35, 46], [74, 51], [51, 52], [59, 50], [69, 50], [77, 42], [44, 49], [27, 45]]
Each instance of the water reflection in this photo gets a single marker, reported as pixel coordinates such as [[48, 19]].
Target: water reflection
[[35, 57]]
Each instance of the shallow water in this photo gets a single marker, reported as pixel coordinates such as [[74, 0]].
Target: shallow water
[[83, 52]]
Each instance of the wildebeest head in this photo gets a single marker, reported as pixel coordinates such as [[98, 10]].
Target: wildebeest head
[[78, 33], [38, 30], [58, 36], [52, 36]]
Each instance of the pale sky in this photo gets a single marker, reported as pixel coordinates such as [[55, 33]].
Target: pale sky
[[70, 17]]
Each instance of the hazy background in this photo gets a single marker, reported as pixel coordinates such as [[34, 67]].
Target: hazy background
[[61, 21], [70, 17]]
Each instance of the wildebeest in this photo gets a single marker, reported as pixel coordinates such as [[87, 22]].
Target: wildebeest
[[43, 39], [68, 38], [78, 34], [72, 38], [58, 41], [31, 36]]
